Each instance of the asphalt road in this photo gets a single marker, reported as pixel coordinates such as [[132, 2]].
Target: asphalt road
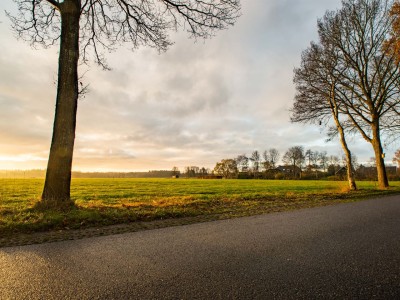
[[346, 251]]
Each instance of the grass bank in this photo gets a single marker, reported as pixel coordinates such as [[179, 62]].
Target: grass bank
[[101, 202]]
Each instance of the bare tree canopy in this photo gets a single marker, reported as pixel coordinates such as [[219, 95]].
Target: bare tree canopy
[[242, 162], [106, 24], [370, 75], [364, 75], [84, 29], [294, 157], [255, 158], [271, 157], [317, 99]]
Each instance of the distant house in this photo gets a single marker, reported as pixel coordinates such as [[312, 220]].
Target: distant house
[[341, 172], [273, 171], [369, 172], [391, 170], [290, 170]]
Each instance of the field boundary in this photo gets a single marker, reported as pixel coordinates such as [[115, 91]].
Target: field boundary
[[21, 239]]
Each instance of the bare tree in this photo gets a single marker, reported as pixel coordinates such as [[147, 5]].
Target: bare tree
[[315, 159], [317, 99], [309, 156], [175, 171], [203, 171], [271, 157], [266, 163], [323, 159], [242, 162], [354, 162], [294, 157], [369, 74], [84, 29], [255, 158], [192, 171], [333, 164]]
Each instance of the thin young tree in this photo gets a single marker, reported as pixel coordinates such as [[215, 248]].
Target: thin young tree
[[309, 156], [333, 163], [255, 158], [271, 157], [315, 159], [242, 162], [323, 159], [85, 29], [274, 155], [175, 171], [266, 163]]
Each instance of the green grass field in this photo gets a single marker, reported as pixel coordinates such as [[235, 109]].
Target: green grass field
[[114, 201]]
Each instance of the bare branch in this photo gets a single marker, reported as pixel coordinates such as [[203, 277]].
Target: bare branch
[[106, 24], [54, 3]]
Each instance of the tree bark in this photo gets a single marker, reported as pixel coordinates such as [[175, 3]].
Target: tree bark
[[56, 190], [380, 163], [347, 152], [345, 147]]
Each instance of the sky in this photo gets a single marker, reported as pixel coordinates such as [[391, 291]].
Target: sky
[[197, 103]]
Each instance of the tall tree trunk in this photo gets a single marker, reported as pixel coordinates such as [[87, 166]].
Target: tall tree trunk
[[347, 152], [349, 161], [56, 190], [380, 163], [294, 170]]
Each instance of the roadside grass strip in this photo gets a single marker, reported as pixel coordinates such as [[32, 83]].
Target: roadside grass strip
[[103, 202]]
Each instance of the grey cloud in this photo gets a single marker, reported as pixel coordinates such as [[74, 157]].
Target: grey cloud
[[195, 104]]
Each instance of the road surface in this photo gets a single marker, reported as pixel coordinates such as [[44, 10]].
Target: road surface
[[346, 251]]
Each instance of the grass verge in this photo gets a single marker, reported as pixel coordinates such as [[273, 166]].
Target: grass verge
[[153, 203]]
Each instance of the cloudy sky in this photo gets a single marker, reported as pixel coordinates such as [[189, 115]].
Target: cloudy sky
[[196, 104]]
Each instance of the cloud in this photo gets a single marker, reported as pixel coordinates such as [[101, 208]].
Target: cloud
[[195, 104]]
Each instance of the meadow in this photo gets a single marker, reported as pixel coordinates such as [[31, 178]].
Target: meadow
[[102, 202]]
